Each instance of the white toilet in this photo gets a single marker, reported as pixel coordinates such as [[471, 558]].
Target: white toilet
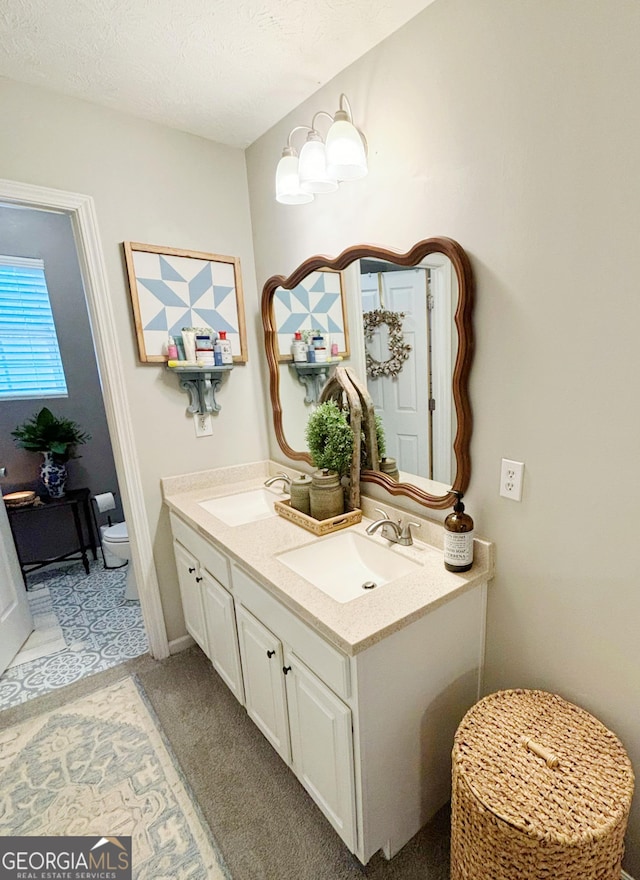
[[115, 541]]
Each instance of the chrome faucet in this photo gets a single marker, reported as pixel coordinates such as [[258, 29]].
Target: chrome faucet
[[391, 530], [283, 477]]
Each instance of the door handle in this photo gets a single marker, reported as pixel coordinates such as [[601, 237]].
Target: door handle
[[286, 669], [270, 654]]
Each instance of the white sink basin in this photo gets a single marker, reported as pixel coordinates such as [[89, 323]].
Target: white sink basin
[[243, 507], [342, 564]]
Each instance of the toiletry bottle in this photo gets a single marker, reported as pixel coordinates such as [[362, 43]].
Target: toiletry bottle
[[298, 348], [458, 538], [172, 349], [224, 347]]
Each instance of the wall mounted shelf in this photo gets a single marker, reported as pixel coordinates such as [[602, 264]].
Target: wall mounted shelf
[[313, 377], [201, 383]]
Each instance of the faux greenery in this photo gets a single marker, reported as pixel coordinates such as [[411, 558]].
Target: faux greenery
[[47, 433], [382, 443], [330, 438]]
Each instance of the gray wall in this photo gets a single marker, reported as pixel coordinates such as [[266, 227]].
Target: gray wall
[[48, 236]]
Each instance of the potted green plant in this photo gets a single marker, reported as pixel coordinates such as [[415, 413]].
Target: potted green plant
[[57, 439], [330, 440]]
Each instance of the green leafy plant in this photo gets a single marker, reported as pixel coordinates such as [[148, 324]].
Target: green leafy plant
[[44, 432], [330, 438], [382, 443]]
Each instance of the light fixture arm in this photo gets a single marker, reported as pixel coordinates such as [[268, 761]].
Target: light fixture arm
[[292, 132]]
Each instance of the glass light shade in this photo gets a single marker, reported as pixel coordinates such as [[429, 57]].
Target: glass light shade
[[346, 158], [288, 190], [312, 168]]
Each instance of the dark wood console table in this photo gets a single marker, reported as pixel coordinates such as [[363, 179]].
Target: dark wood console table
[[77, 500]]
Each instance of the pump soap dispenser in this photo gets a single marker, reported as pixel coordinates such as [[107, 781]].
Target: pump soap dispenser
[[458, 538]]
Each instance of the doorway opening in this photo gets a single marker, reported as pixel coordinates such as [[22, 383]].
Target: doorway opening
[[81, 213]]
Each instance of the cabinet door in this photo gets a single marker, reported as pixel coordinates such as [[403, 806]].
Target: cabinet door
[[190, 581], [222, 637], [264, 681], [322, 747]]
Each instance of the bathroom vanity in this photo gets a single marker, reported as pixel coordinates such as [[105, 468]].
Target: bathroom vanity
[[359, 696]]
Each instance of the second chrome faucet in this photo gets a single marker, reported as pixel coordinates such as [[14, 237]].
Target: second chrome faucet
[[391, 530]]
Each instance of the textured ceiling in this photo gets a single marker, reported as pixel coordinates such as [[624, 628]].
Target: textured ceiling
[[224, 69]]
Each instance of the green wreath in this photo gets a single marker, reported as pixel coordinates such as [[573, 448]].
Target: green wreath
[[399, 349]]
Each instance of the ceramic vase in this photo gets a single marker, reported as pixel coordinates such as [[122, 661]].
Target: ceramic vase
[[53, 475], [325, 495]]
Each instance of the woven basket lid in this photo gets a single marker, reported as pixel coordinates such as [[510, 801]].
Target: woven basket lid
[[543, 765]]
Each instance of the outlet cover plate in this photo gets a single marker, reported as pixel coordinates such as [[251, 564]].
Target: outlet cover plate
[[203, 423], [511, 475]]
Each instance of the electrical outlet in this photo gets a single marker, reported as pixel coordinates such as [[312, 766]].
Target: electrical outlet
[[204, 426], [511, 474]]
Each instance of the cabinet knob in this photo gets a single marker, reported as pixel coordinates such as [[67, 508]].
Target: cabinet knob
[[198, 580], [270, 654], [191, 570], [286, 669]]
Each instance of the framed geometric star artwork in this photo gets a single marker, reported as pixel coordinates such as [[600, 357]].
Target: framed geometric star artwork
[[171, 289], [316, 303]]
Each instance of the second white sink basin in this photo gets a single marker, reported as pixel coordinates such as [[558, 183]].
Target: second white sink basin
[[243, 507], [341, 565]]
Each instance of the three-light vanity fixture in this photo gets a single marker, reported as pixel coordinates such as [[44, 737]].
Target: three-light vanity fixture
[[322, 165]]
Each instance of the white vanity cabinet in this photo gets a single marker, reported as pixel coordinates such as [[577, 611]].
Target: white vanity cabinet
[[264, 682], [368, 735], [203, 575], [306, 722], [190, 579]]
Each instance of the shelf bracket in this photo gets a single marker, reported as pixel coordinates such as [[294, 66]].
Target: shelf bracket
[[313, 377], [201, 384]]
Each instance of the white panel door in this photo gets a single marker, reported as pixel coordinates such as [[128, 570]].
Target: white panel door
[[190, 581], [322, 747], [264, 681], [222, 636], [403, 401], [16, 622]]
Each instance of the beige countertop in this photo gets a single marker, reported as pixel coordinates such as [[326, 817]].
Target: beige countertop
[[350, 626]]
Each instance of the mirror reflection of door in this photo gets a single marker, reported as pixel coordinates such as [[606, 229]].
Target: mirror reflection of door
[[415, 405]]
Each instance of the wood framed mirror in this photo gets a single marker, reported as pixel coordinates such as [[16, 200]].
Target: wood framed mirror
[[427, 297]]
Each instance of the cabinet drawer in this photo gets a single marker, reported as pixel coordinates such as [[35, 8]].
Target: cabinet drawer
[[325, 660], [213, 560]]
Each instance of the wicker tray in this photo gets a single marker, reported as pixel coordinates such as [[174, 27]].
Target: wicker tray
[[318, 526]]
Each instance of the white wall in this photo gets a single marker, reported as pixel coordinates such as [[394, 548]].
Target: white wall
[[158, 186], [513, 127]]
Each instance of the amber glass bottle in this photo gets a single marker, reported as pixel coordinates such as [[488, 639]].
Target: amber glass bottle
[[458, 538]]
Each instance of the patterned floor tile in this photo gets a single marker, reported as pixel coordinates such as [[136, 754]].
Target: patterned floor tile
[[100, 627]]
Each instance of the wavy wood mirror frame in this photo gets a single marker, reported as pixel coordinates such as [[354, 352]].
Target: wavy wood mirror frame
[[460, 384]]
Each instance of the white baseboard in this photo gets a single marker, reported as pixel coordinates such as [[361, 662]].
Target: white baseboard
[[184, 642]]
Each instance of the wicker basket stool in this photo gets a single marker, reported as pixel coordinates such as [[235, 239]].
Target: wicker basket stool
[[541, 791]]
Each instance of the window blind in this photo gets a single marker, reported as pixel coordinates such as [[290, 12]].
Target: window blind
[[30, 362]]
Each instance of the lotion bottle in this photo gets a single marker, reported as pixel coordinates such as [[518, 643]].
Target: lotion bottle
[[458, 538], [223, 345], [299, 348]]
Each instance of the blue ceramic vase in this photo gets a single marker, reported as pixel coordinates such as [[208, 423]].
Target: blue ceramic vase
[[53, 475]]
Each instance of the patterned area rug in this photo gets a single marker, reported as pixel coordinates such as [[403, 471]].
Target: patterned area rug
[[101, 766], [46, 638]]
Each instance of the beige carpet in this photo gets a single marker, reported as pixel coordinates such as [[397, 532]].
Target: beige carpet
[[265, 823], [100, 766]]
